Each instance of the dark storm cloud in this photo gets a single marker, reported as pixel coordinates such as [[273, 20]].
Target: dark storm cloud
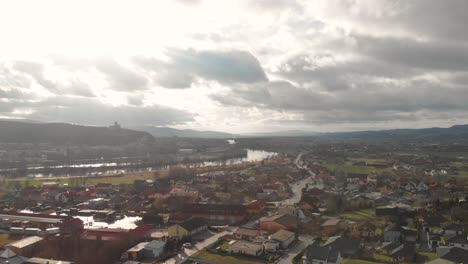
[[365, 102], [184, 66], [433, 55], [93, 112], [119, 77]]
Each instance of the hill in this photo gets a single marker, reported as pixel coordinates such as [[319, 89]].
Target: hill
[[188, 133], [454, 133], [61, 133]]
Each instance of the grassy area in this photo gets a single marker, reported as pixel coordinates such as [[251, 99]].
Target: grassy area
[[428, 256], [348, 167], [217, 258], [372, 161], [5, 240], [358, 261], [382, 258]]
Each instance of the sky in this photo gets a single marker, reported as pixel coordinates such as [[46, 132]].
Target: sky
[[237, 66]]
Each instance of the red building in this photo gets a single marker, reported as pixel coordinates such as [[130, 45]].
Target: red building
[[215, 214]]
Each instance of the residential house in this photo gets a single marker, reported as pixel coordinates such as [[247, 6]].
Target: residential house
[[365, 231], [9, 256], [216, 214], [329, 227], [348, 247], [422, 187], [392, 233], [409, 234], [316, 254], [284, 237], [245, 233], [187, 228], [26, 246], [246, 248], [460, 241], [279, 222], [452, 229], [255, 207], [451, 255]]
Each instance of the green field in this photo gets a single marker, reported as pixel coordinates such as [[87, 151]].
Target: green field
[[217, 258], [348, 167]]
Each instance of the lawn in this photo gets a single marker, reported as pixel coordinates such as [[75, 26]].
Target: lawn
[[382, 258], [5, 240], [217, 258], [358, 261], [428, 256]]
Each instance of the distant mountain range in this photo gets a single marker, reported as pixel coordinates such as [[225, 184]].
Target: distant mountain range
[[27, 131], [453, 133]]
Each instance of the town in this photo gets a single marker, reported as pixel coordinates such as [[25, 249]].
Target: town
[[309, 201]]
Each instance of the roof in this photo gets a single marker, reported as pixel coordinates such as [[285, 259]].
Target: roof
[[282, 235], [460, 239], [247, 231], [138, 247], [7, 253], [457, 255], [453, 226], [25, 242], [347, 246], [246, 245], [331, 222], [193, 224], [390, 246], [155, 244], [282, 219], [317, 252], [46, 261], [408, 250]]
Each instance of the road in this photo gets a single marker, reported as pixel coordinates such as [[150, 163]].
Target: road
[[198, 246], [299, 245], [297, 187]]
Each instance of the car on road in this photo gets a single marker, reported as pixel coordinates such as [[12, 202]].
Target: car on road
[[187, 245]]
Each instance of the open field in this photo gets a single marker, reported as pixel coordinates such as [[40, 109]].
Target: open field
[[217, 258], [116, 180], [348, 167]]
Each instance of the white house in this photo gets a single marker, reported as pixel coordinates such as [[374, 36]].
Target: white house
[[246, 248]]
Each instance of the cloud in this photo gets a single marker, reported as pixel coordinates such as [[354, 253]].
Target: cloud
[[190, 2], [36, 71], [119, 77], [184, 66], [90, 111]]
